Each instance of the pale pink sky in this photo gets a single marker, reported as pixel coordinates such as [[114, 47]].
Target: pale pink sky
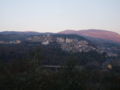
[[58, 15]]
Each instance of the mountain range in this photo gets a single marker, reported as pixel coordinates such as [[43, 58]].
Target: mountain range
[[103, 39], [95, 33]]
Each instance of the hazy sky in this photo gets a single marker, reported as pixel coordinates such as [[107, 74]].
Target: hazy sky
[[58, 15]]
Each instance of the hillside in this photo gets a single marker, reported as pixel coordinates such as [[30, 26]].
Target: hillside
[[101, 34]]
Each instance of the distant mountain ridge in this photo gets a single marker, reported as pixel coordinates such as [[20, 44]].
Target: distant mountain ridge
[[90, 33], [18, 32], [95, 33], [70, 43]]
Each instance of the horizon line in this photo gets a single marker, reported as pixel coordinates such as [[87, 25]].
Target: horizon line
[[58, 31]]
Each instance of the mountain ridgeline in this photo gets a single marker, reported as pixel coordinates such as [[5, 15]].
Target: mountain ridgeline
[[100, 34]]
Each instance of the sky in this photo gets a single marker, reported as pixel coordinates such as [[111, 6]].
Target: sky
[[59, 15]]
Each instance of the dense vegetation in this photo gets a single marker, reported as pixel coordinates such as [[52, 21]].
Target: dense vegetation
[[21, 68]]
